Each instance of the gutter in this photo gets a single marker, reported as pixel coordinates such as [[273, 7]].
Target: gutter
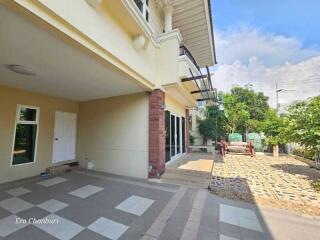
[[212, 35]]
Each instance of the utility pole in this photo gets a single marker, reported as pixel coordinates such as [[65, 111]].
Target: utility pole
[[277, 93]]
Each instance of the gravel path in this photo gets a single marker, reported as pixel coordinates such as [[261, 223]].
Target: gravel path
[[282, 182]]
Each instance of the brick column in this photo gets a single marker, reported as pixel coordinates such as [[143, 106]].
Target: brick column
[[187, 131], [156, 133]]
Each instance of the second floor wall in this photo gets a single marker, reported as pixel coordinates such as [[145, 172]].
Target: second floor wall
[[118, 31]]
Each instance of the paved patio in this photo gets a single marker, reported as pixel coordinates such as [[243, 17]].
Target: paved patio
[[282, 182], [91, 205]]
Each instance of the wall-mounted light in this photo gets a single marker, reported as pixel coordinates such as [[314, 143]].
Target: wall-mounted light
[[21, 69], [139, 42], [163, 106], [94, 3]]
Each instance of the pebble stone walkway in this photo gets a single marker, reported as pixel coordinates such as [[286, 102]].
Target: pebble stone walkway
[[282, 182]]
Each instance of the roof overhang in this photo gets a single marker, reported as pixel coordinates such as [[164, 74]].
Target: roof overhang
[[180, 94], [194, 20]]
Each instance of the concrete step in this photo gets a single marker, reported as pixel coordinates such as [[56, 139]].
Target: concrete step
[[197, 184], [188, 172], [186, 177]]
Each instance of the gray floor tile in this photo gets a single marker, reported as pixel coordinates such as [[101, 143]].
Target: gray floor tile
[[33, 213], [4, 213], [8, 225], [86, 191], [52, 205], [229, 230], [15, 205], [88, 235], [206, 234], [4, 195], [224, 237], [52, 181], [252, 235], [16, 192], [60, 228], [30, 232], [135, 205], [108, 228]]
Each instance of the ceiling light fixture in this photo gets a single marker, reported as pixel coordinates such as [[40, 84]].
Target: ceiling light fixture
[[24, 70]]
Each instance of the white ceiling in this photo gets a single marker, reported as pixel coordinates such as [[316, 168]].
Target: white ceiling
[[62, 71], [193, 20]]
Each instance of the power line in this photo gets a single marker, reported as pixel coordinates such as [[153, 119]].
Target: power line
[[290, 82]]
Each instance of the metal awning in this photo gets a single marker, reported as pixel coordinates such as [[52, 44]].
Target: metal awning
[[205, 90]]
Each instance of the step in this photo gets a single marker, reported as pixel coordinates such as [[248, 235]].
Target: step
[[186, 183], [186, 177], [187, 172]]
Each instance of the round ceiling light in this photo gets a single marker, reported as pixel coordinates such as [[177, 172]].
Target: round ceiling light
[[24, 70]]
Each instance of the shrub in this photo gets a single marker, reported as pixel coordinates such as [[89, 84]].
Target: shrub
[[303, 152], [316, 185], [191, 139]]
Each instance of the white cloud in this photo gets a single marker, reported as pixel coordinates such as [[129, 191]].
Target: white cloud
[[243, 42], [250, 56]]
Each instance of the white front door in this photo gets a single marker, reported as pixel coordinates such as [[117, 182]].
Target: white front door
[[64, 141]]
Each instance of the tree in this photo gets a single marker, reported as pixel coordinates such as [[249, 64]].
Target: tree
[[213, 126], [244, 109], [303, 123], [256, 103], [207, 129], [236, 113], [274, 129]]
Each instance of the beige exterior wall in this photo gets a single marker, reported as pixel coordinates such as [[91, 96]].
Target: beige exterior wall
[[113, 134], [106, 30], [9, 99], [156, 19], [174, 107]]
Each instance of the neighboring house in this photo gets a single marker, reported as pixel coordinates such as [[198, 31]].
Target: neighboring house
[[106, 81], [196, 115]]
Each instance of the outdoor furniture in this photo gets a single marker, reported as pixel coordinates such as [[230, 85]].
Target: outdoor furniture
[[201, 148], [244, 147]]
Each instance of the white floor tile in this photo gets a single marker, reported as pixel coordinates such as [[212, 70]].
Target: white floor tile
[[86, 191], [241, 217], [224, 237], [135, 205], [16, 192], [9, 225], [15, 205], [108, 228], [251, 224], [52, 181], [59, 227], [53, 205]]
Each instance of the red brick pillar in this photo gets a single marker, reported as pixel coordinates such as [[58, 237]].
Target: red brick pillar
[[187, 131], [156, 133]]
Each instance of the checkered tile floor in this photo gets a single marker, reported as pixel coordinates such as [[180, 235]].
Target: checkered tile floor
[[73, 207]]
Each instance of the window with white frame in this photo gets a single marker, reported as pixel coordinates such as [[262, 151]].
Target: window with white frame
[[26, 132], [143, 6]]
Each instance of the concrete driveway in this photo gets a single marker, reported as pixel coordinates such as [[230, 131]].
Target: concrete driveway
[[91, 205]]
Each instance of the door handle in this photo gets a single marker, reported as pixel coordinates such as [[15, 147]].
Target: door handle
[[56, 139]]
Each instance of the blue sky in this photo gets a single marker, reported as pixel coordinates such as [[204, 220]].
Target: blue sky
[[293, 18], [264, 42]]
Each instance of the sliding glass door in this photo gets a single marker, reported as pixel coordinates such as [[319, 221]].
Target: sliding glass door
[[183, 134], [175, 135]]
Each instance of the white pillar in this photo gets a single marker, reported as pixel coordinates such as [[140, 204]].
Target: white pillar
[[168, 11]]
